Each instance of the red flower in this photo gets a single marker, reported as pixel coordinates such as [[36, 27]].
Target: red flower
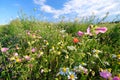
[[75, 40]]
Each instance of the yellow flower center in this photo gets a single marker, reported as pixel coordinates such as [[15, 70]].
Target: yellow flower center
[[118, 56], [64, 69], [72, 76]]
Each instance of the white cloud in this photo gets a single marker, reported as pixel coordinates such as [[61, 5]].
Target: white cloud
[[16, 4], [82, 7]]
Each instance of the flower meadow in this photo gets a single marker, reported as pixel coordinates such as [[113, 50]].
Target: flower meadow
[[59, 51]]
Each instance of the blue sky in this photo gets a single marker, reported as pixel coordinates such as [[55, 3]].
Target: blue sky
[[54, 9]]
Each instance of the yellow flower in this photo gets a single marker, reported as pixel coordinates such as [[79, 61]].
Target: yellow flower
[[109, 69], [64, 69], [18, 60], [93, 73], [12, 58], [101, 69], [58, 53], [118, 56], [119, 62], [119, 75]]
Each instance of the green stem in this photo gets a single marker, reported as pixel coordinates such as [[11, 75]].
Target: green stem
[[101, 62], [5, 66]]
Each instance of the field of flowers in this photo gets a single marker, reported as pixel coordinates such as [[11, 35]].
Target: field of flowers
[[59, 51]]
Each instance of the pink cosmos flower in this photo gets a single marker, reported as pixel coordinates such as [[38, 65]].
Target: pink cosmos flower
[[105, 74], [116, 78], [4, 49], [80, 33], [100, 30], [88, 31], [33, 50]]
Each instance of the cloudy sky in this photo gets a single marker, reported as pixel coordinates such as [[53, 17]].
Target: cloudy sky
[[54, 9]]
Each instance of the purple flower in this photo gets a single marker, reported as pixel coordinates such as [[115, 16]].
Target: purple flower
[[33, 50], [100, 30], [105, 74], [116, 78], [80, 33], [88, 31], [4, 49]]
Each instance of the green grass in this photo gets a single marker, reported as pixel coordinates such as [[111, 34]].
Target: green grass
[[55, 51]]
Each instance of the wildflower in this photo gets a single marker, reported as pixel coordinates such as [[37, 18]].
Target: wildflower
[[33, 35], [42, 70], [107, 63], [40, 54], [84, 64], [100, 30], [96, 30], [58, 53], [114, 55], [4, 49], [33, 50], [16, 54], [89, 31], [81, 69], [27, 57], [17, 47], [71, 48], [18, 60], [105, 74], [96, 51], [72, 76], [118, 56], [12, 58], [64, 71], [62, 31], [93, 73], [66, 57], [80, 33], [75, 40], [116, 78], [96, 55], [30, 65], [28, 32]]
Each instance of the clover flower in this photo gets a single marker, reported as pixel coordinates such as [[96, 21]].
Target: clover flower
[[27, 57], [4, 49], [33, 50]]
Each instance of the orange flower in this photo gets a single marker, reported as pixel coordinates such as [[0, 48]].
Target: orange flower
[[75, 40]]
